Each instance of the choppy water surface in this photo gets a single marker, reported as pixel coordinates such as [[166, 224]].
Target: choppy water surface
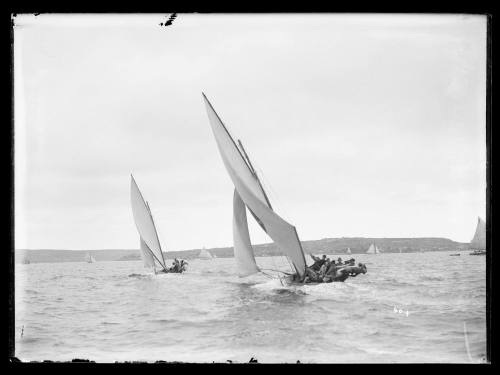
[[407, 308]]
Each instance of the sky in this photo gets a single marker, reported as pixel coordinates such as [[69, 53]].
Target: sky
[[365, 125]]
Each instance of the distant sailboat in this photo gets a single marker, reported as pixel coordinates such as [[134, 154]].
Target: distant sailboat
[[348, 251], [478, 242], [373, 249], [249, 193], [89, 258], [151, 253], [205, 254]]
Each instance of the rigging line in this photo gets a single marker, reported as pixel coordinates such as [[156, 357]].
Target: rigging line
[[270, 189]]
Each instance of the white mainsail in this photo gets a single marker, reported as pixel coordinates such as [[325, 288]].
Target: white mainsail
[[348, 250], [144, 222], [252, 194], [478, 242], [377, 250]]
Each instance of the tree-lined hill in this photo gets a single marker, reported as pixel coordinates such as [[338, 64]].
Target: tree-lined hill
[[323, 246]]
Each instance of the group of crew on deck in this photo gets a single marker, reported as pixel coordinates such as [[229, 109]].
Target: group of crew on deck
[[177, 266], [324, 270]]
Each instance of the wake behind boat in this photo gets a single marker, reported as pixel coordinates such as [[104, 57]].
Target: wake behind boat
[[249, 193], [151, 252]]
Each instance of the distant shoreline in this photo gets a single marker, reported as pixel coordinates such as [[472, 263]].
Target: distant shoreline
[[337, 246]]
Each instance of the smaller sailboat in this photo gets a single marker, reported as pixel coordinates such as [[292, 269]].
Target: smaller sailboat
[[89, 258], [151, 252], [373, 249], [205, 254], [478, 242], [348, 251]]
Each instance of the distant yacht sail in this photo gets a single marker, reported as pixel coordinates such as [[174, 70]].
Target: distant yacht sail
[[478, 242], [250, 194], [373, 249], [151, 252], [205, 254], [348, 250], [89, 258]]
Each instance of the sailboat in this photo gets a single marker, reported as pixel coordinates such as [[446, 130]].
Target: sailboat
[[249, 193], [205, 254], [348, 251], [151, 253], [89, 258], [373, 249], [478, 242]]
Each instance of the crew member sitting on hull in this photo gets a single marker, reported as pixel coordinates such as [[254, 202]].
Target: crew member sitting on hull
[[318, 262], [324, 268]]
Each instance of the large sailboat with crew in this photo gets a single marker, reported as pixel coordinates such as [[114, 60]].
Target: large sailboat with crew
[[249, 193]]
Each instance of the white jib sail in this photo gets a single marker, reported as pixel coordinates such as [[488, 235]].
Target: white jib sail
[[146, 255], [243, 252], [282, 233], [145, 224], [479, 240]]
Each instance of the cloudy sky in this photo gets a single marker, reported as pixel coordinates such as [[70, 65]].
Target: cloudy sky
[[359, 125]]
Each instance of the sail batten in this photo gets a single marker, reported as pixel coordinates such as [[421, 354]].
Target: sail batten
[[252, 194], [145, 224]]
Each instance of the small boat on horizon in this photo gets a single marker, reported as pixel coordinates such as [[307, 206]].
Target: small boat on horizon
[[89, 258], [373, 249], [478, 242], [205, 254]]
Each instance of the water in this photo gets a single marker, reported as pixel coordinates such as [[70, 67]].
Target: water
[[407, 308]]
